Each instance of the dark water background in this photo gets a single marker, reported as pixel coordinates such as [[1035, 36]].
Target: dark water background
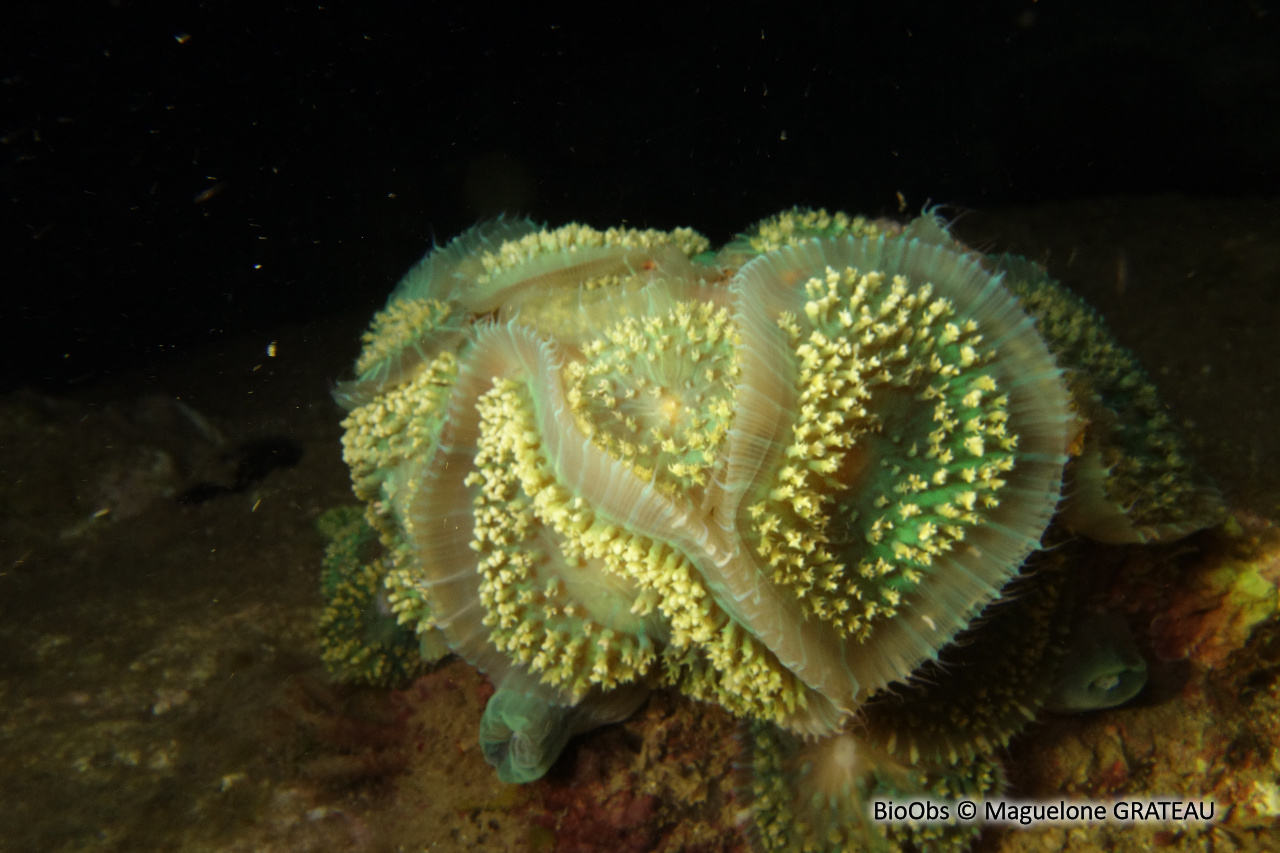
[[179, 174]]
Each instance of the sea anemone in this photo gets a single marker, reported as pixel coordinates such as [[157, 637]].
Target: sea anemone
[[784, 478], [938, 735]]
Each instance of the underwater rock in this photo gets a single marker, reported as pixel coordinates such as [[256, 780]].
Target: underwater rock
[[783, 478], [253, 460], [1223, 598]]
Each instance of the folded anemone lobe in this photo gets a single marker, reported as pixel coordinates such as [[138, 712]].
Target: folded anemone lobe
[[584, 563], [986, 687], [423, 317], [656, 392], [541, 263], [387, 435], [896, 453], [1133, 479]]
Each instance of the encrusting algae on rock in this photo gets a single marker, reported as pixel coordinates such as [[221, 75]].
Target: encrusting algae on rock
[[783, 478]]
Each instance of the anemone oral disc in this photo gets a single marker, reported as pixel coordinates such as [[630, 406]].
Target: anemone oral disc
[[893, 395]]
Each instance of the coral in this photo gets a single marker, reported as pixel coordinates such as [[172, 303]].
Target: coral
[[360, 639]]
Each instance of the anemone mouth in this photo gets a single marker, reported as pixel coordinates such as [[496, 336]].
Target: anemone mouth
[[876, 348], [657, 393]]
